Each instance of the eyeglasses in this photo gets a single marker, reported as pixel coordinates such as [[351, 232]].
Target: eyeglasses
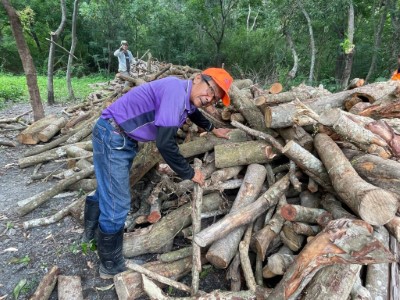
[[211, 92]]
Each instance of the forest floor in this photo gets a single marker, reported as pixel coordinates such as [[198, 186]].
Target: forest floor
[[27, 255]]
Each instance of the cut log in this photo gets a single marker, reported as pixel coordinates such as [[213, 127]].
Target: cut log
[[46, 285], [176, 255], [394, 227], [245, 260], [391, 110], [311, 165], [30, 135], [248, 109], [245, 153], [377, 277], [332, 282], [299, 135], [298, 213], [282, 116], [354, 83], [341, 242], [275, 88], [372, 204], [128, 284], [359, 292], [48, 132], [243, 215], [384, 173], [29, 204], [225, 174], [290, 238], [221, 252], [383, 129], [278, 263], [52, 154], [162, 279], [153, 238], [196, 227], [233, 274], [305, 229], [69, 288]]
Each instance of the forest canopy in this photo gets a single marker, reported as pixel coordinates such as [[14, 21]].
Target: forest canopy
[[290, 41]]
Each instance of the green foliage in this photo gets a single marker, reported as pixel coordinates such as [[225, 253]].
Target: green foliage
[[22, 260], [18, 288], [13, 88], [90, 246]]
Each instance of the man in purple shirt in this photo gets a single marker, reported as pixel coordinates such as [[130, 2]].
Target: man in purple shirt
[[150, 112]]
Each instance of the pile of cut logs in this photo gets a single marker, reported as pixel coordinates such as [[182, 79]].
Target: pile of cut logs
[[300, 203]]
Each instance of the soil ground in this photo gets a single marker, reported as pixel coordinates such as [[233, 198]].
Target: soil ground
[[30, 254]]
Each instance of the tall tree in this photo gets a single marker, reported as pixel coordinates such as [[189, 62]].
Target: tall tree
[[27, 61], [312, 41], [50, 64], [348, 47], [378, 37], [72, 50]]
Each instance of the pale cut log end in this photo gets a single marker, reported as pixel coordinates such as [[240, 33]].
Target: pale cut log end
[[275, 88], [268, 117], [378, 207], [217, 261], [199, 241]]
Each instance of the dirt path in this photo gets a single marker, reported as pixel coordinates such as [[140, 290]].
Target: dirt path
[[30, 254]]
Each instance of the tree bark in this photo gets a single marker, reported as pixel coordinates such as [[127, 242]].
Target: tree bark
[[51, 130], [46, 285], [222, 251], [50, 64], [245, 153], [372, 204], [377, 278], [341, 242], [332, 282], [298, 213], [74, 40], [27, 61], [349, 50]]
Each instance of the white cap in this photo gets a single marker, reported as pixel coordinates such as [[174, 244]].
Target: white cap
[[123, 42]]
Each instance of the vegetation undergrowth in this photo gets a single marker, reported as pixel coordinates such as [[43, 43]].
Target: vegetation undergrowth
[[13, 88]]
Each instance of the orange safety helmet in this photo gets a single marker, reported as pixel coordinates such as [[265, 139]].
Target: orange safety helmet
[[396, 75], [223, 79]]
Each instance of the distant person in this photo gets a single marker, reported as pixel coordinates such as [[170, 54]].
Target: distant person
[[125, 59], [150, 112], [396, 74]]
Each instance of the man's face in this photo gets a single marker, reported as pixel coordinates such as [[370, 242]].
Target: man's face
[[205, 93], [125, 47]]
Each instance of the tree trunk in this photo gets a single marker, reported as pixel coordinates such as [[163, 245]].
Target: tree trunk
[[312, 42], [377, 38], [222, 251], [372, 204], [72, 50], [349, 49], [26, 59], [50, 64]]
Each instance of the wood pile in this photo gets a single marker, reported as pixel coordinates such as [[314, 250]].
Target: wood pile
[[302, 202]]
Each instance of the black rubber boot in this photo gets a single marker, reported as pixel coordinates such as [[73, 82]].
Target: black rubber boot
[[109, 248], [91, 221]]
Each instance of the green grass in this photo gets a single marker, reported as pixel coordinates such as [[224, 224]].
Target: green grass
[[13, 88]]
